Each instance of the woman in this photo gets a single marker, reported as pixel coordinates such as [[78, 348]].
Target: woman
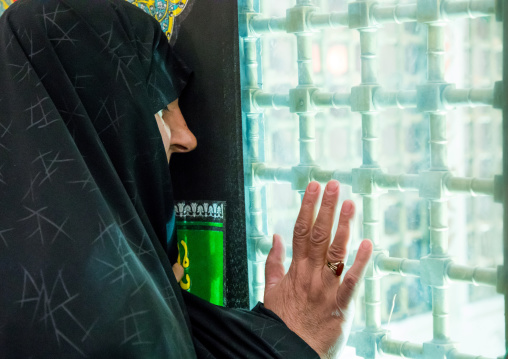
[[86, 205]]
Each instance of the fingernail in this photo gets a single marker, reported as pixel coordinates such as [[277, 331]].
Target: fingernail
[[347, 207], [313, 187], [366, 244], [332, 186]]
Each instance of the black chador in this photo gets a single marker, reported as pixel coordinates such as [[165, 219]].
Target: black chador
[[85, 196]]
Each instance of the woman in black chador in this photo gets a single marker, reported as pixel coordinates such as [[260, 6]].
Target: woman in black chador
[[86, 205]]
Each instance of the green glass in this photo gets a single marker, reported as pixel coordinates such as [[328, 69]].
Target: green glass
[[201, 253]]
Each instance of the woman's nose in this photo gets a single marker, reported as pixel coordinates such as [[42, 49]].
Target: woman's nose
[[182, 139]]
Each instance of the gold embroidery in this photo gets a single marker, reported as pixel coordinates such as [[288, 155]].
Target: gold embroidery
[[165, 11], [184, 284], [4, 5]]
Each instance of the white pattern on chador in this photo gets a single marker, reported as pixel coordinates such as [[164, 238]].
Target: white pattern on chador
[[204, 209]]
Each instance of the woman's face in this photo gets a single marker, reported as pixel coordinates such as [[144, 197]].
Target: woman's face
[[174, 131]]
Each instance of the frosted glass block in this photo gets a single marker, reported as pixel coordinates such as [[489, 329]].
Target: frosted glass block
[[407, 92]]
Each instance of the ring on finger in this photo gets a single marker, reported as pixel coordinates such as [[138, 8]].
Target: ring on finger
[[336, 267]]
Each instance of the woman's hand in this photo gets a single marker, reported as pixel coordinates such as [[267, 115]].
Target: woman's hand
[[312, 301]]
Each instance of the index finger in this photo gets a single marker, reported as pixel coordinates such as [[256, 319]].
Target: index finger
[[303, 226]]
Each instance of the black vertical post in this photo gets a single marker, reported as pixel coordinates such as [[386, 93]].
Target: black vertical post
[[207, 40]]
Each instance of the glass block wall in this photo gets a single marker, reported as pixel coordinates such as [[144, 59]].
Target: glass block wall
[[399, 102]]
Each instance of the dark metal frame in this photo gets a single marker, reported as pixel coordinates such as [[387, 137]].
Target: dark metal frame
[[208, 42]]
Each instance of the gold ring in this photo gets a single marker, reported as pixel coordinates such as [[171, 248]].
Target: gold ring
[[336, 267]]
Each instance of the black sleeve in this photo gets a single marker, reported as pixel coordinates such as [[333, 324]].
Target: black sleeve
[[220, 332]]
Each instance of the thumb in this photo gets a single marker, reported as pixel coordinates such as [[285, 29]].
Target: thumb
[[274, 268]]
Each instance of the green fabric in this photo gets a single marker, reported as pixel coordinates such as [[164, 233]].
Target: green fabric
[[201, 251]]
